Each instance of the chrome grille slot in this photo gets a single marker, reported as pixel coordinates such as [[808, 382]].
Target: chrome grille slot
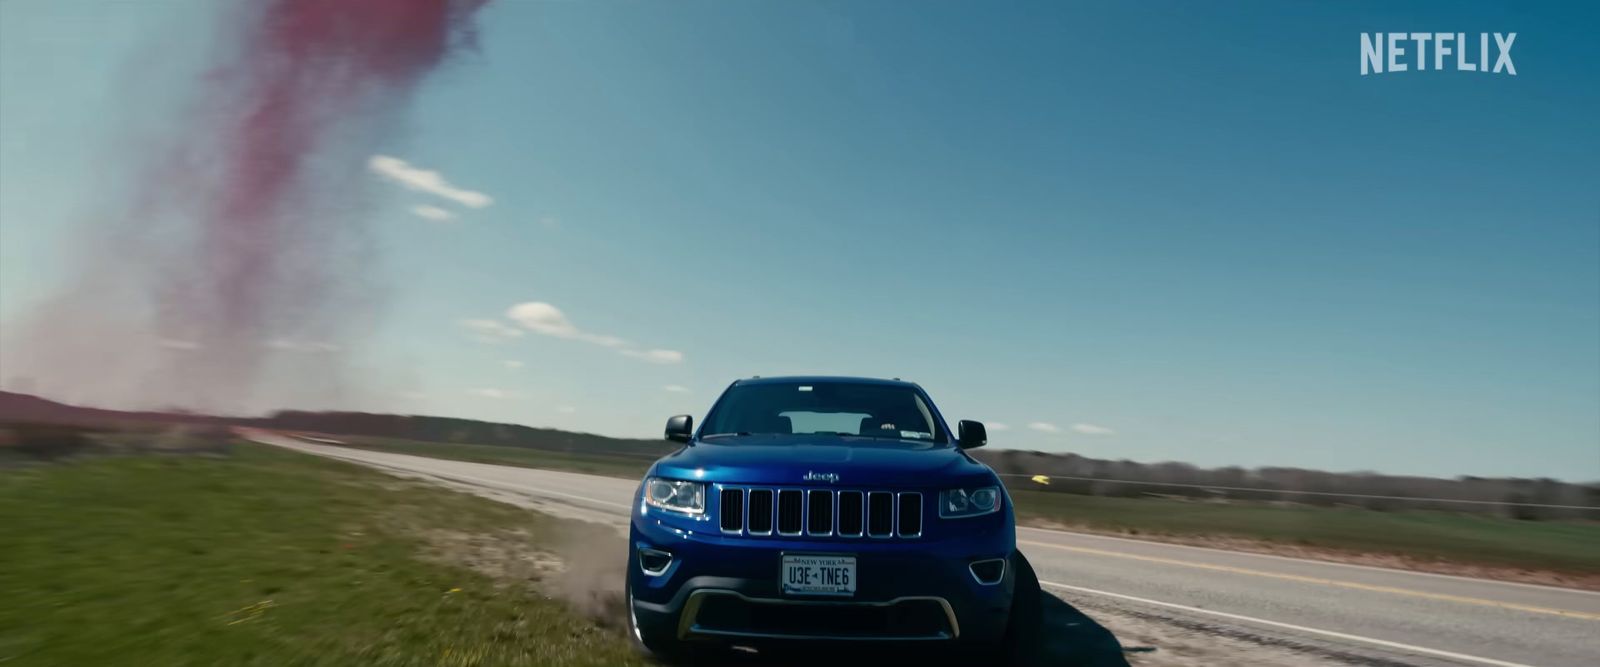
[[761, 506], [910, 519], [791, 511], [852, 513], [819, 512], [731, 516], [880, 514]]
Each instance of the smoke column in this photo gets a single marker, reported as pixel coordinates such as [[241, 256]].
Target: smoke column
[[234, 274]]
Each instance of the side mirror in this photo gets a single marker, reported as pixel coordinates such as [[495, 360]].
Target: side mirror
[[679, 428], [972, 435]]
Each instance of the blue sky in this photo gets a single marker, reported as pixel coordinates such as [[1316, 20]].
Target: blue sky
[[1157, 231]]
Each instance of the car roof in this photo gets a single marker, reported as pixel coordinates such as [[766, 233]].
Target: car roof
[[843, 379]]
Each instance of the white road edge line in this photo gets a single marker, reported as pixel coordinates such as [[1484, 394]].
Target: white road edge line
[[1290, 626], [1313, 561]]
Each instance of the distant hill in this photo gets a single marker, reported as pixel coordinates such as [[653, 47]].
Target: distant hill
[[16, 407]]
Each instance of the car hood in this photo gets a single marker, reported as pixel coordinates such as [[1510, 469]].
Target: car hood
[[857, 462]]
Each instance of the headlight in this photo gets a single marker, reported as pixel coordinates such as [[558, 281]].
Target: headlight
[[675, 495], [957, 503]]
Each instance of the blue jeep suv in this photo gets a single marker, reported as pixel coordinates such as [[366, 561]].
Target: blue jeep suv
[[825, 509]]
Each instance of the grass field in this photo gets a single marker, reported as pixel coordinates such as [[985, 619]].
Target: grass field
[[1563, 546], [267, 557]]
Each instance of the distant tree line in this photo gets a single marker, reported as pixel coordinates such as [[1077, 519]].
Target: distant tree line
[[1502, 496], [469, 431]]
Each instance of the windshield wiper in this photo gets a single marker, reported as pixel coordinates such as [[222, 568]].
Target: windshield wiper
[[723, 435], [889, 437]]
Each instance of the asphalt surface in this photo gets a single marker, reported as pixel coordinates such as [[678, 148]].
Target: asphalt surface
[[1348, 613]]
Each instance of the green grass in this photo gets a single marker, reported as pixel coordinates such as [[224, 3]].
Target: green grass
[[611, 465], [264, 557], [1564, 546], [1567, 546]]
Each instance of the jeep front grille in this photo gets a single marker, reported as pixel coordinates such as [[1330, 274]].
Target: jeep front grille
[[796, 512]]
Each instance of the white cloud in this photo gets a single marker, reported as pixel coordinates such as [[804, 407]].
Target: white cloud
[[491, 331], [496, 394], [1045, 427], [655, 356], [308, 346], [1091, 429], [676, 388], [549, 222], [512, 365], [566, 409], [543, 318], [996, 426], [604, 341], [179, 345], [431, 212], [422, 180]]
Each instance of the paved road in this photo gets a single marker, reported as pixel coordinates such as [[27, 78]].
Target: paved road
[[1353, 613]]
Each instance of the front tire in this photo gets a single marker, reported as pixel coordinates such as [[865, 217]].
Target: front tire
[[649, 642], [661, 645], [1021, 645]]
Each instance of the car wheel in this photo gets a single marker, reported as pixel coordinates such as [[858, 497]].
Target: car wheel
[[1024, 626], [648, 641], [659, 645]]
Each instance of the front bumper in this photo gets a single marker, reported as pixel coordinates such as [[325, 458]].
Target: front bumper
[[727, 587]]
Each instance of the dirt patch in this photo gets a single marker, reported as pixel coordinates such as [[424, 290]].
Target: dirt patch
[[507, 557], [595, 570], [1395, 561], [572, 554], [578, 563]]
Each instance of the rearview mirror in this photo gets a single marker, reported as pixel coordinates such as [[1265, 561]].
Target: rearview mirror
[[972, 435], [679, 428]]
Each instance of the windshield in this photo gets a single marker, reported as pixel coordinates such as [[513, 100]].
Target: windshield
[[895, 412]]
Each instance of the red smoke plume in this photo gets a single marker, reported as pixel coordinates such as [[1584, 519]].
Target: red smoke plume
[[240, 261]]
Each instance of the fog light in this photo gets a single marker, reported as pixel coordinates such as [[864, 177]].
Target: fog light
[[988, 572], [654, 562]]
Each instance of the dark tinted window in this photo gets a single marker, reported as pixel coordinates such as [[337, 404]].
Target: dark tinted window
[[871, 410]]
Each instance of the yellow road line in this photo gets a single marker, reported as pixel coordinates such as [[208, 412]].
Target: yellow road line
[[1325, 582]]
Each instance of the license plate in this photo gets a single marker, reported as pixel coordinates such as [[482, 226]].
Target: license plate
[[805, 574]]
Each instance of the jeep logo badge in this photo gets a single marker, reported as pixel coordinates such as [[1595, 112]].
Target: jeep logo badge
[[829, 477]]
